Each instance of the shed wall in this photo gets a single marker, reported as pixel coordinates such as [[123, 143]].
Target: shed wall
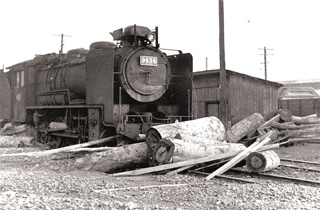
[[206, 92], [246, 95]]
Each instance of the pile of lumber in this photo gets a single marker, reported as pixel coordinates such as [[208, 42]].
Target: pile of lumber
[[197, 144], [288, 129]]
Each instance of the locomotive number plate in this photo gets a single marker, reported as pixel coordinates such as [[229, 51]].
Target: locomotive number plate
[[148, 61]]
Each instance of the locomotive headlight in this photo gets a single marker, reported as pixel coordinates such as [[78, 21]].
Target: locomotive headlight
[[151, 37]]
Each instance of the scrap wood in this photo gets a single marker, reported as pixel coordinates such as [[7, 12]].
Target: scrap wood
[[291, 126], [252, 148], [142, 187], [63, 149], [268, 123], [213, 164], [313, 132], [97, 149], [284, 137], [176, 171], [305, 120], [264, 148], [232, 162], [177, 164]]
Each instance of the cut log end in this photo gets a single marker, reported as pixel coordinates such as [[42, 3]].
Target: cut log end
[[264, 161], [163, 152], [285, 115]]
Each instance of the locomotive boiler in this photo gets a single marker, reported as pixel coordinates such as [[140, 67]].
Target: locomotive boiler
[[120, 87]]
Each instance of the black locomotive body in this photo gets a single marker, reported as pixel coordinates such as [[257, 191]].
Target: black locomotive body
[[85, 95]]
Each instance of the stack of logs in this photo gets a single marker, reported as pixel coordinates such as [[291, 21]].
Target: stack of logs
[[182, 145], [288, 129]]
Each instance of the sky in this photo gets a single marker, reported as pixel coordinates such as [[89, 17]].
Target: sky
[[289, 28]]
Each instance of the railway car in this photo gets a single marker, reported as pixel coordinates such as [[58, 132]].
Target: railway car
[[119, 87]]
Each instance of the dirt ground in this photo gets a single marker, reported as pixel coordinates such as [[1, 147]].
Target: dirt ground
[[43, 183]]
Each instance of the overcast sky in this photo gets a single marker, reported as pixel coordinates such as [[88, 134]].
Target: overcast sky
[[289, 27]]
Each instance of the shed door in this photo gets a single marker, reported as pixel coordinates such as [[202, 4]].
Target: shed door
[[212, 109]]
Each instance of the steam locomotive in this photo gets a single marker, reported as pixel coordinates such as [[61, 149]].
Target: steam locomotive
[[121, 87]]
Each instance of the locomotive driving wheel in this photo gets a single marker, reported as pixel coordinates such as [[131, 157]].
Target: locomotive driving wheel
[[54, 141], [107, 133]]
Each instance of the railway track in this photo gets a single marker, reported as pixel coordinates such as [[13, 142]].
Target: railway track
[[290, 170]]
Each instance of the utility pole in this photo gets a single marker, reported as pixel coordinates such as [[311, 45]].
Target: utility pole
[[223, 78], [61, 46], [206, 63], [265, 60]]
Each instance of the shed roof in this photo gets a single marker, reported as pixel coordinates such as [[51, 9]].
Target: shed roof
[[217, 71], [297, 93]]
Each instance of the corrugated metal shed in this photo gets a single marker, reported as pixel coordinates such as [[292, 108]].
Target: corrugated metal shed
[[245, 94], [301, 101], [314, 83]]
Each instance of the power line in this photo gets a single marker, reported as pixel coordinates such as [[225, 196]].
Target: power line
[[265, 60]]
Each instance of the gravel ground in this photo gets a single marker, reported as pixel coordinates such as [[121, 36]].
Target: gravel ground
[[43, 183]]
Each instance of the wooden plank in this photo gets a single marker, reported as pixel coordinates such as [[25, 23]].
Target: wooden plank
[[141, 187], [232, 162], [270, 122], [252, 148], [179, 170], [63, 149], [176, 165]]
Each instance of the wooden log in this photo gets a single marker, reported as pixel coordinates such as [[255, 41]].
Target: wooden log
[[176, 165], [176, 150], [305, 120], [291, 126], [244, 127], [252, 148], [200, 130], [63, 149], [115, 158], [285, 115], [262, 161], [306, 133], [207, 128]]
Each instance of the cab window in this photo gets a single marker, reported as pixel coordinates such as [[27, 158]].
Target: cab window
[[18, 79]]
